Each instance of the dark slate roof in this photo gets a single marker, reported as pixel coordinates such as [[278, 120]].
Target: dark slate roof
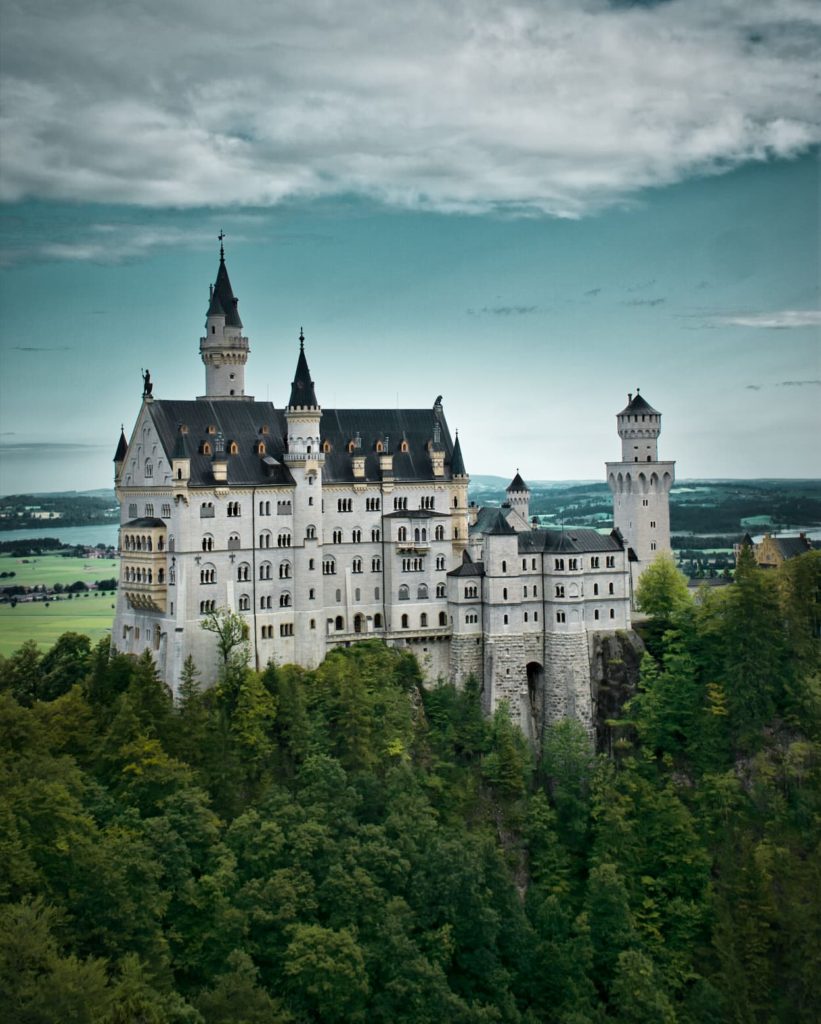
[[215, 306], [457, 463], [145, 522], [637, 404], [122, 447], [571, 540], [242, 422], [180, 446], [302, 389], [517, 484], [791, 547], [468, 569], [493, 525], [224, 294]]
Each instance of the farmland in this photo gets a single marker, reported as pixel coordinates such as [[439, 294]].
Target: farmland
[[46, 570], [43, 622]]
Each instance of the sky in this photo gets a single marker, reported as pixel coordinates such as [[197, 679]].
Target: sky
[[528, 208]]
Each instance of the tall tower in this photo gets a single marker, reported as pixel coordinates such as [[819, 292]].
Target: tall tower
[[518, 498], [641, 484], [304, 458], [223, 349]]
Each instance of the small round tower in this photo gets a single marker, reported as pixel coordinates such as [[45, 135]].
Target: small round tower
[[518, 499], [224, 350]]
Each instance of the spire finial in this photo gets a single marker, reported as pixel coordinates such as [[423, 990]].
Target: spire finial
[[221, 236], [301, 340]]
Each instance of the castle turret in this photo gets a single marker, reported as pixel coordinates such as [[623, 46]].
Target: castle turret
[[641, 484], [518, 498], [224, 350], [119, 455]]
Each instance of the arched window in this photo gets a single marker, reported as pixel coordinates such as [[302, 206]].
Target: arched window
[[243, 572], [265, 570], [285, 600], [265, 539], [404, 593], [233, 542], [376, 564], [443, 618], [337, 537], [310, 533], [208, 542], [208, 573], [356, 565], [423, 620], [440, 590], [376, 535], [284, 570], [339, 624], [422, 592], [244, 603], [284, 540], [610, 588], [403, 533], [404, 622], [356, 536], [328, 567], [377, 621]]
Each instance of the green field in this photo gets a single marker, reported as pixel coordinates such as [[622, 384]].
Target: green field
[[51, 569], [91, 614]]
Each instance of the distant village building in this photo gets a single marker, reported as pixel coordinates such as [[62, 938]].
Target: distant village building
[[321, 527], [771, 552]]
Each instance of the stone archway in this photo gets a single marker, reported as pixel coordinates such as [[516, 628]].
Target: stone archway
[[536, 697]]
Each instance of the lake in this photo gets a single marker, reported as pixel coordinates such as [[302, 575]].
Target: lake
[[104, 533]]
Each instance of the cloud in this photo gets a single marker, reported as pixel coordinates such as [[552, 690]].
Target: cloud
[[593, 292], [491, 105], [503, 311], [644, 302], [799, 383], [780, 320], [753, 387], [39, 348]]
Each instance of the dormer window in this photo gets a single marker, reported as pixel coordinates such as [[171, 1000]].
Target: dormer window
[[233, 448], [212, 429], [326, 446], [351, 447], [261, 448], [380, 447], [403, 447], [264, 428], [206, 448]]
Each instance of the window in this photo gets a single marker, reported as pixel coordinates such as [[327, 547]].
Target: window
[[244, 603], [404, 592], [208, 542], [440, 562], [377, 621], [471, 617], [595, 589], [233, 447], [504, 566], [376, 535], [372, 504], [443, 619], [265, 539], [440, 590], [400, 504], [356, 565], [376, 593], [558, 563], [311, 564], [504, 593], [344, 505], [284, 507], [610, 588], [285, 570], [525, 616], [504, 620], [357, 595], [426, 503], [265, 571], [243, 572], [573, 563], [612, 613], [265, 602], [404, 622], [559, 590], [594, 562], [207, 510], [376, 565], [339, 623], [205, 607], [328, 567], [132, 511], [233, 509], [652, 524], [524, 592], [423, 620], [610, 562], [149, 468], [356, 536], [208, 574], [439, 533], [311, 594], [286, 629], [312, 624], [403, 534], [596, 614], [310, 533], [422, 592], [535, 616], [285, 600], [166, 512], [283, 540], [149, 510], [337, 536], [472, 591], [560, 616], [645, 502], [535, 591], [266, 632], [265, 508]]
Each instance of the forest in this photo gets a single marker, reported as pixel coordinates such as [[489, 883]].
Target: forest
[[348, 845]]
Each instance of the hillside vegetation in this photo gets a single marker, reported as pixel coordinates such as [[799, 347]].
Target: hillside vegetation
[[344, 845]]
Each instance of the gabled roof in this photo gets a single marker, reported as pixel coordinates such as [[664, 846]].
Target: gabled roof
[[496, 525], [122, 447], [243, 423], [791, 547], [637, 404], [468, 569], [572, 540], [517, 484], [224, 294], [302, 390]]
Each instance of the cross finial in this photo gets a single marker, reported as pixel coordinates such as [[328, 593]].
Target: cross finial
[[221, 236], [301, 339]]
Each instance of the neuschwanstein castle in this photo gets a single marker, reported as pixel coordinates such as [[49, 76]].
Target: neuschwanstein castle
[[322, 527]]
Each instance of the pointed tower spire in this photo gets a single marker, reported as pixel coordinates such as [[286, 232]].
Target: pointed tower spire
[[122, 447], [223, 349], [303, 394], [457, 463]]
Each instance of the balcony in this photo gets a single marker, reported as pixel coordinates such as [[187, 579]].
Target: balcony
[[146, 596]]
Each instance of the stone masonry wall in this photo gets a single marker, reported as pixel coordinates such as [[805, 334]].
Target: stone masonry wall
[[567, 678], [465, 659]]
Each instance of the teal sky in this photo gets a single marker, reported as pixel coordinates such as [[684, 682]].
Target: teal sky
[[531, 295]]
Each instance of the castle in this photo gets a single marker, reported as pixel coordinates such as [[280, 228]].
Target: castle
[[321, 527]]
